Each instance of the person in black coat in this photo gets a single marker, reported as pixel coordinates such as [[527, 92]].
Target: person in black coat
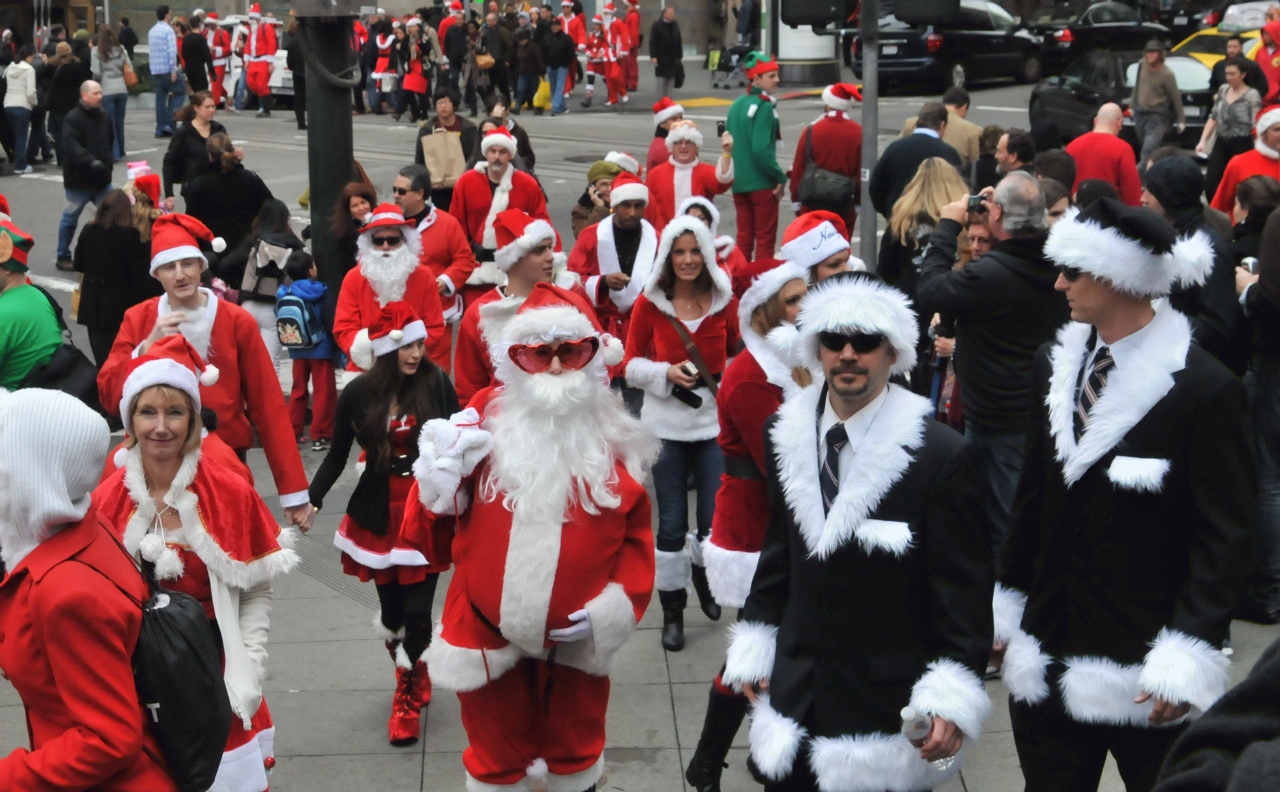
[[128, 36], [197, 61], [879, 600], [666, 48], [1133, 527], [116, 265], [297, 65], [902, 158], [228, 199], [1254, 77], [1258, 196], [188, 154], [65, 73], [87, 144]]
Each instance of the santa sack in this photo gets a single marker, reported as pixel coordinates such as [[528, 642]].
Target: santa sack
[[542, 99], [442, 154]]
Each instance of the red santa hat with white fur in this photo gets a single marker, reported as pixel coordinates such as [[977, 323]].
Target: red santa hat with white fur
[[395, 327], [626, 187], [169, 361], [255, 11], [665, 108], [624, 160], [178, 236], [841, 96], [518, 234], [498, 137], [551, 314], [814, 237]]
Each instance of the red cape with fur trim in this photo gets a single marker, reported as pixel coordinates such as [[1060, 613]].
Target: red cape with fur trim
[[358, 306], [1239, 168], [661, 182]]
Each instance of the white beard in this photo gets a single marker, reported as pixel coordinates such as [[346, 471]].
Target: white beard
[[388, 271]]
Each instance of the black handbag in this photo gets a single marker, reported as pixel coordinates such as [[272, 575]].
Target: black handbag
[[821, 188], [69, 370]]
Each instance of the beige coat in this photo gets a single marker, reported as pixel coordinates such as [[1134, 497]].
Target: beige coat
[[960, 134]]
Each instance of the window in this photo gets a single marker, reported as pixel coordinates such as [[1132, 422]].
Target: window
[[1101, 15], [1084, 71], [1122, 13], [972, 19], [1000, 18]]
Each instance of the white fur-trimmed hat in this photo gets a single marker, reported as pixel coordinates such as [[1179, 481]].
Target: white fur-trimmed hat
[[766, 278], [665, 108], [698, 200], [862, 304], [1132, 248], [683, 130], [397, 325], [175, 237], [721, 283], [841, 96], [517, 234], [623, 160], [626, 187], [813, 237], [171, 361], [498, 137]]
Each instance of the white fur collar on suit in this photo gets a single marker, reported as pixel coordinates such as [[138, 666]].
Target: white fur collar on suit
[[882, 459], [607, 258], [495, 315], [1130, 393], [199, 330], [501, 199]]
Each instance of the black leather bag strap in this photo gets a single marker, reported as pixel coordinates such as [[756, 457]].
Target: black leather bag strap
[[695, 355]]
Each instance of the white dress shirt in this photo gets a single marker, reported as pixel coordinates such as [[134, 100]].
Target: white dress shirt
[[856, 427]]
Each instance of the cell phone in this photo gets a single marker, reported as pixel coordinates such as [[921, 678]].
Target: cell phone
[[975, 204], [689, 369], [719, 129]]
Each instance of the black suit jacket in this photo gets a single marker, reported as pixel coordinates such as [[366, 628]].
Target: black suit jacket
[[898, 166]]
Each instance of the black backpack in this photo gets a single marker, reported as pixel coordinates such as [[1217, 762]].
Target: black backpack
[[69, 370]]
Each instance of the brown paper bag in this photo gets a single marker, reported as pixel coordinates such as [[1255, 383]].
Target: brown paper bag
[[442, 153]]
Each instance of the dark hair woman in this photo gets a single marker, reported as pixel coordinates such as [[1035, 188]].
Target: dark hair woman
[[187, 156], [116, 265], [350, 212], [687, 295], [107, 63], [384, 411], [256, 267], [228, 198], [1256, 198]]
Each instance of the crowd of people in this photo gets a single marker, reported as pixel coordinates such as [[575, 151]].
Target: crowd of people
[[1040, 440]]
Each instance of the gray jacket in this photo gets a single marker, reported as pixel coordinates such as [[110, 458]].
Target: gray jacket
[[109, 72]]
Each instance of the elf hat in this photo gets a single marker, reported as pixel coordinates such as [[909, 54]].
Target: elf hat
[[856, 302], [666, 108], [136, 169], [841, 96], [255, 11], [1132, 248], [169, 361], [623, 160], [758, 63], [395, 326], [626, 187], [551, 314], [517, 235], [813, 237], [498, 137], [683, 130], [149, 185], [757, 283], [15, 245], [178, 236]]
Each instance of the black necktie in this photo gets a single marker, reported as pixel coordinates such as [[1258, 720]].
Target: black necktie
[[1092, 390], [829, 475]]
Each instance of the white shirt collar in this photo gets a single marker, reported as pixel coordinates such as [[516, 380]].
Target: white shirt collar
[[933, 133], [1124, 350], [856, 427]]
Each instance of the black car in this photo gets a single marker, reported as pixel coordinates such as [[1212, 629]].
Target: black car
[[1070, 29], [1184, 17], [1071, 100], [984, 43]]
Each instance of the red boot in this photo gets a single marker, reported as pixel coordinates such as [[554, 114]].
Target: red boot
[[404, 726], [421, 684]]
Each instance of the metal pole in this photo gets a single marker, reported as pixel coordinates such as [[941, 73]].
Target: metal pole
[[870, 30]]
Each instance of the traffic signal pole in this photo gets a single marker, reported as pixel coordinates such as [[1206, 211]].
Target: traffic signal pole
[[869, 22]]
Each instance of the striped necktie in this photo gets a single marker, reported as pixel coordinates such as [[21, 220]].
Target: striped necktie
[[829, 475], [1092, 390]]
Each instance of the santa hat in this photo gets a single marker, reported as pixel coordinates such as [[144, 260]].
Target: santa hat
[[813, 237], [455, 7], [623, 160], [551, 314], [255, 11], [199, 12], [389, 215], [395, 326], [1132, 248], [4, 208], [178, 236], [517, 234], [212, 15], [566, 3], [609, 9], [498, 137], [841, 96], [136, 169], [597, 20], [15, 246], [683, 130], [171, 361], [626, 187], [757, 283], [859, 303], [666, 108], [413, 20], [757, 63], [698, 200], [1265, 120], [149, 185]]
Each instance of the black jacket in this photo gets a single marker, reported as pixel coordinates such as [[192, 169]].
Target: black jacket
[[1213, 307], [469, 137], [455, 44], [666, 45], [370, 505], [1141, 535], [1254, 77], [116, 264], [86, 149], [197, 61], [1263, 298], [1005, 307], [896, 578], [1246, 236], [227, 202], [558, 50], [528, 56], [64, 85], [898, 166], [187, 156], [128, 39]]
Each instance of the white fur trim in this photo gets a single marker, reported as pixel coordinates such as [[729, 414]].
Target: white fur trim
[[672, 570], [218, 244], [414, 331], [1130, 394], [765, 286], [707, 204], [612, 350], [210, 375], [177, 254], [576, 782], [670, 112], [461, 669], [772, 354], [1025, 669], [635, 191], [1099, 690], [815, 245], [951, 691], [1007, 605], [874, 763], [864, 306], [752, 649], [649, 375], [1181, 668], [775, 740], [891, 536], [534, 234], [623, 160], [529, 574], [1265, 150], [729, 573], [613, 620], [381, 630], [501, 200], [545, 325], [361, 351], [397, 556], [402, 658], [1125, 263], [241, 769], [1138, 473], [448, 451], [161, 371], [834, 102], [683, 132], [884, 456], [1266, 120], [721, 286], [496, 138], [537, 769], [608, 262], [476, 785]]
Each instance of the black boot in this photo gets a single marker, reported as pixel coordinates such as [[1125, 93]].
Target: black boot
[[724, 716], [705, 600], [673, 603]]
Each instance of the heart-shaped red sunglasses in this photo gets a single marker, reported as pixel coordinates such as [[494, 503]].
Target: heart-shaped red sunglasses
[[536, 358]]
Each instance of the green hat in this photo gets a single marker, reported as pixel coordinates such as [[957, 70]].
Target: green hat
[[81, 35], [602, 169], [15, 244]]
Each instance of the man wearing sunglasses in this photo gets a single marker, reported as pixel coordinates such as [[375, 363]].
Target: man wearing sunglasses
[[871, 592], [1131, 540], [445, 250], [387, 270], [553, 554]]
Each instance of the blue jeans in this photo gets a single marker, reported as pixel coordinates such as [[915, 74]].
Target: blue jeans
[[526, 87], [557, 78], [114, 105], [999, 462], [1262, 381], [670, 482], [20, 122], [242, 89], [373, 93], [170, 94], [76, 202]]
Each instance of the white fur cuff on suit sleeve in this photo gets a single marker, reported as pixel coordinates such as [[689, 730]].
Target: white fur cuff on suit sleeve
[[775, 739], [649, 375], [1007, 605], [752, 646], [951, 691], [1180, 668], [613, 619]]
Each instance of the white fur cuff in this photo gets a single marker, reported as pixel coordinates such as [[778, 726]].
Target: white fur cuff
[[462, 669], [1180, 668], [752, 647], [775, 740], [672, 570], [449, 450], [1025, 669], [613, 620], [951, 691], [649, 375], [1007, 606]]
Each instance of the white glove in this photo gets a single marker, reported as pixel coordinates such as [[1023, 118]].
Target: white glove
[[449, 450], [579, 631]]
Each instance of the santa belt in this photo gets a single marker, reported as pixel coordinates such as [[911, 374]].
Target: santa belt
[[530, 671], [401, 466], [742, 468]]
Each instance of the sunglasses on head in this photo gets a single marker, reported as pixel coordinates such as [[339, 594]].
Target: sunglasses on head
[[386, 241], [862, 343], [1071, 274], [536, 358]]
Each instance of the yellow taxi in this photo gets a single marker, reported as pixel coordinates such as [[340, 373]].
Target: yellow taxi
[[1210, 45]]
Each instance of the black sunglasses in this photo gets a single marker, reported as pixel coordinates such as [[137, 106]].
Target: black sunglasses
[[386, 241], [1072, 274], [862, 343], [401, 191]]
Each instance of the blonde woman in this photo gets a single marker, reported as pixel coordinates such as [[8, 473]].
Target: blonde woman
[[144, 193]]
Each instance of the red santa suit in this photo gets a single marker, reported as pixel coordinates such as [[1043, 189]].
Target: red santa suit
[[382, 68], [447, 253], [520, 583], [619, 37], [663, 110], [260, 53], [219, 41], [1269, 59], [454, 15], [414, 80], [837, 147], [576, 26], [598, 54], [631, 67], [1262, 161], [672, 183]]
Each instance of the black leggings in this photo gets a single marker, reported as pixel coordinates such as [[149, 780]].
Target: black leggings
[[409, 607]]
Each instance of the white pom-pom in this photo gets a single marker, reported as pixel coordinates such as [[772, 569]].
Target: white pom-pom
[[209, 376], [397, 335], [120, 457], [219, 244], [151, 547], [613, 351], [169, 567], [782, 339], [537, 769], [362, 350]]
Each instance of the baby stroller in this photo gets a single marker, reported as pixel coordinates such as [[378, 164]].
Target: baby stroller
[[728, 73]]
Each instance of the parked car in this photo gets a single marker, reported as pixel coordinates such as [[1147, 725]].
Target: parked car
[[1185, 17], [984, 43], [1210, 45], [1071, 100], [1072, 28]]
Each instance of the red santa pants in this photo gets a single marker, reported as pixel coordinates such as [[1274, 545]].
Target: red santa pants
[[535, 711], [631, 69], [324, 397], [616, 82], [757, 223], [219, 74], [255, 78]]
